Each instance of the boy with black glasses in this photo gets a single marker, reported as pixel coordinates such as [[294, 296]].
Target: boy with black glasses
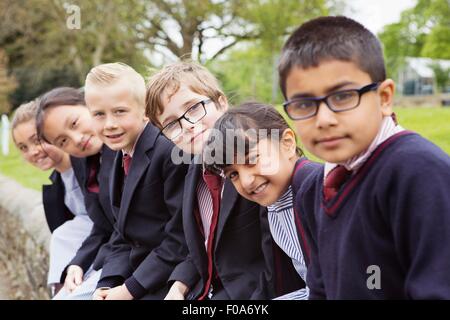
[[378, 217], [228, 237]]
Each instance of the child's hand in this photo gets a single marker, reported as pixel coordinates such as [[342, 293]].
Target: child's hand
[[100, 293], [74, 278], [119, 293], [177, 291]]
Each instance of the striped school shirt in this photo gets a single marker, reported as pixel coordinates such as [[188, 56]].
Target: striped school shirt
[[205, 206], [284, 232]]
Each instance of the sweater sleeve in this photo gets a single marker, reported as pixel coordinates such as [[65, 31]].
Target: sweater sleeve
[[306, 182], [415, 199], [314, 279]]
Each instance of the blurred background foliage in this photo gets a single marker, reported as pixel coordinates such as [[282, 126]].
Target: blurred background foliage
[[239, 40]]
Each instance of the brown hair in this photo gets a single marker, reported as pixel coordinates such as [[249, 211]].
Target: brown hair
[[62, 96], [169, 79], [328, 38], [236, 121]]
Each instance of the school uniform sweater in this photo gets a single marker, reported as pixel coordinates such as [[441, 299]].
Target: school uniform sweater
[[385, 233]]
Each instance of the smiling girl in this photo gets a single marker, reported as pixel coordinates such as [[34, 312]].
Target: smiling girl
[[64, 121], [63, 201], [260, 160]]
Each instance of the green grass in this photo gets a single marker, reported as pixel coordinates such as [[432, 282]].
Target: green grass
[[15, 167], [431, 123]]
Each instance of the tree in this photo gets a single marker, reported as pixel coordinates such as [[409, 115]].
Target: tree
[[245, 74], [7, 84], [183, 28], [437, 43], [248, 71], [44, 52], [423, 31], [441, 76]]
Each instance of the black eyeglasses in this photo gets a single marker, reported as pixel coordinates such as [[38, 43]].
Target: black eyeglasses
[[192, 115], [304, 108]]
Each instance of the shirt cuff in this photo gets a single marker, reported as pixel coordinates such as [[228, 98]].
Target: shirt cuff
[[135, 288]]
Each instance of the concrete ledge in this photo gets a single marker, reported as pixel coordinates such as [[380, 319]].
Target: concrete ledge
[[24, 240]]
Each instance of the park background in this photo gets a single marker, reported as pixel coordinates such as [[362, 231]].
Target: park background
[[50, 43]]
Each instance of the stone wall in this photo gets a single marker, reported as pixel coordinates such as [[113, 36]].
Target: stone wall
[[24, 240]]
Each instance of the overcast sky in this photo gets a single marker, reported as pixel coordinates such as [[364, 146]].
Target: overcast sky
[[374, 14]]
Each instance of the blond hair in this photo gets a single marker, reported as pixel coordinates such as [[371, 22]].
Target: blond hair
[[24, 113], [196, 77], [109, 73]]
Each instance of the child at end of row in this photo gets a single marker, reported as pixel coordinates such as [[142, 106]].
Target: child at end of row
[[377, 218], [63, 200]]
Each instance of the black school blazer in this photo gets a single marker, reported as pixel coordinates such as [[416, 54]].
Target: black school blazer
[[148, 212], [95, 248], [243, 250]]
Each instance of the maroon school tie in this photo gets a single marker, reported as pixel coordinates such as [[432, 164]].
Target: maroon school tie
[[94, 165], [126, 162], [334, 180], [214, 184], [394, 118]]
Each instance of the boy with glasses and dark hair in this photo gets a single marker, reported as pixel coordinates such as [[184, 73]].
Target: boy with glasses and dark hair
[[228, 237], [378, 216], [304, 108]]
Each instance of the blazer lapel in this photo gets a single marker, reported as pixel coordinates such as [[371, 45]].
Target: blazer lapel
[[194, 240], [80, 170], [115, 184], [139, 164], [55, 177], [103, 178], [227, 202]]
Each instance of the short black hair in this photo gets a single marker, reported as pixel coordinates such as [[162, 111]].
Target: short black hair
[[61, 96], [332, 38], [234, 126]]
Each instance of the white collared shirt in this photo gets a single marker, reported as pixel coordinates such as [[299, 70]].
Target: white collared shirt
[[284, 232]]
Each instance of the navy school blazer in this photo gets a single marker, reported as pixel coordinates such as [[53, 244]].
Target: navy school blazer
[[56, 212], [95, 247], [148, 213], [246, 258]]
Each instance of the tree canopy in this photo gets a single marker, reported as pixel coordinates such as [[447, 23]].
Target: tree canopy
[[423, 31]]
